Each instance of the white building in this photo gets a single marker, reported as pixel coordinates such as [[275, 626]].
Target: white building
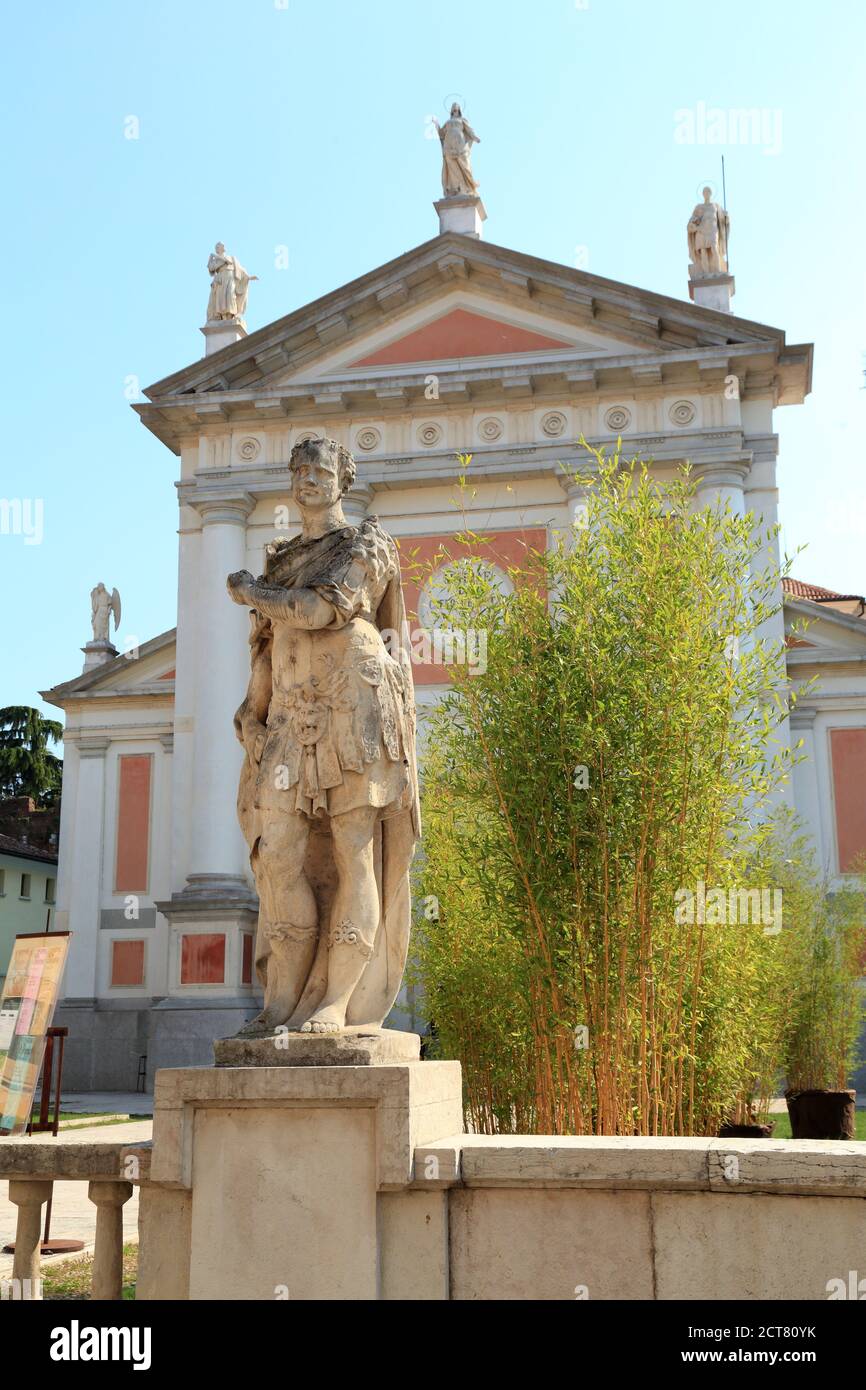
[[458, 346]]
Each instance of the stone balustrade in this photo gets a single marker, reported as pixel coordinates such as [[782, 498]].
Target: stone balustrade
[[110, 1170]]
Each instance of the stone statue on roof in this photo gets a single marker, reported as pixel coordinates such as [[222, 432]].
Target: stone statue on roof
[[708, 233], [229, 286], [103, 606], [457, 138]]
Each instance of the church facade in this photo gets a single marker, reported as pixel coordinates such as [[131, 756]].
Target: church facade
[[459, 347]]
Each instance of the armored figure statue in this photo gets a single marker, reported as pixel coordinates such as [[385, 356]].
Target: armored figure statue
[[708, 232], [328, 797]]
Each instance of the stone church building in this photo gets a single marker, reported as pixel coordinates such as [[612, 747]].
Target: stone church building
[[456, 347]]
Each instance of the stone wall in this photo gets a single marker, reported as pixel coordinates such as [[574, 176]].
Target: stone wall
[[313, 1182]]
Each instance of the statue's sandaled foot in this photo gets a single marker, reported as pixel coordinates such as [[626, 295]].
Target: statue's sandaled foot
[[325, 1020], [260, 1026]]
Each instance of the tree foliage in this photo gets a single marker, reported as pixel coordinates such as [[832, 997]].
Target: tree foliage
[[621, 745], [27, 766]]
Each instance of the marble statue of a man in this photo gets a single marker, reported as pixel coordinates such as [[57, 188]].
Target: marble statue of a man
[[103, 606], [328, 797], [708, 232], [229, 285], [457, 138]]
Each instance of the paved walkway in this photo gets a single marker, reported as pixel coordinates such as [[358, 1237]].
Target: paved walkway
[[107, 1103], [73, 1215]]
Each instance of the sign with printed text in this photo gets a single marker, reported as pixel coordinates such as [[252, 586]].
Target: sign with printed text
[[26, 1009]]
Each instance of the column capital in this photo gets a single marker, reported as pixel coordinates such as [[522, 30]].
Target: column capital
[[232, 510], [356, 501], [803, 716], [574, 484], [713, 473], [91, 747]]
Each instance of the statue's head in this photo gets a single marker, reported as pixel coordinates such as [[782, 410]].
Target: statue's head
[[708, 193], [220, 247], [322, 470], [455, 109]]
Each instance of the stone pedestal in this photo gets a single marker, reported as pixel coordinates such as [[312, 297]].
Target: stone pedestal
[[354, 1047], [712, 291], [463, 213], [220, 333], [96, 653], [297, 1182]]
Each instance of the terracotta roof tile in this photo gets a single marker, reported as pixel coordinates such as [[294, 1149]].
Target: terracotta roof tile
[[816, 594], [8, 845]]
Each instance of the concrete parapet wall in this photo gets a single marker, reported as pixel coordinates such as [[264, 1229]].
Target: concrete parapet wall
[[350, 1183]]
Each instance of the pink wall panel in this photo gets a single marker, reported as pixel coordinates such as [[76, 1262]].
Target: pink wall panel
[[203, 958], [848, 758], [133, 822]]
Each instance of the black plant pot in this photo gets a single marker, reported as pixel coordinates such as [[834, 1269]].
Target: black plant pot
[[747, 1131], [822, 1114]]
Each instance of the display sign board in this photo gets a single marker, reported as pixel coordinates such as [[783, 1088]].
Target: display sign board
[[26, 1010]]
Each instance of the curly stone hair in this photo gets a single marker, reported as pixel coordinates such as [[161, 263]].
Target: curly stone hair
[[345, 460]]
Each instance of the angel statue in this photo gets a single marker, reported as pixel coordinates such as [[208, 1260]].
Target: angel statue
[[708, 232], [102, 606], [328, 796], [457, 138], [229, 285]]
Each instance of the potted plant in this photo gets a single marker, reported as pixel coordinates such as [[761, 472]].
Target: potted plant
[[825, 1012]]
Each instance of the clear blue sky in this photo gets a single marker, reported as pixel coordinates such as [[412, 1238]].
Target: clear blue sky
[[302, 123]]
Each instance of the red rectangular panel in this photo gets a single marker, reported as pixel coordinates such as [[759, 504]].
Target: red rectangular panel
[[127, 962], [133, 822], [247, 963], [203, 959], [848, 758]]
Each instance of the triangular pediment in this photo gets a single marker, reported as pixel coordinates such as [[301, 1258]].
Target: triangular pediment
[[816, 633], [147, 672], [456, 304], [460, 333]]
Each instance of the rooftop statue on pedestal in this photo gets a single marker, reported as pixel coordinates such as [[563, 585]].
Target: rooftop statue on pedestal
[[102, 607], [457, 138], [229, 286], [708, 233], [328, 797]]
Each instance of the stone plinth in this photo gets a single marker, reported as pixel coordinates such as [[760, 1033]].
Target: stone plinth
[[711, 291], [354, 1047], [97, 652], [293, 1182], [220, 333], [462, 213]]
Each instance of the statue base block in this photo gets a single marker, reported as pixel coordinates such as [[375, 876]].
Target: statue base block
[[298, 1182], [353, 1047], [463, 213]]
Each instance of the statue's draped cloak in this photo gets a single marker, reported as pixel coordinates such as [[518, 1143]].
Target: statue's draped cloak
[[342, 736]]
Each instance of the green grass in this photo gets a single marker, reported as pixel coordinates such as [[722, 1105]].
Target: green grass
[[71, 1280], [87, 1121]]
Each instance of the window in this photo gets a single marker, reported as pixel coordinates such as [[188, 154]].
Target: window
[[49, 890], [2, 883], [25, 886]]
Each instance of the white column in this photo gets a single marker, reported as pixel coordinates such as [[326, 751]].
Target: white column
[[356, 503], [81, 871], [718, 483], [576, 485], [218, 854], [807, 790]]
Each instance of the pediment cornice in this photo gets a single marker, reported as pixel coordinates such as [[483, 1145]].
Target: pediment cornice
[[662, 341]]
